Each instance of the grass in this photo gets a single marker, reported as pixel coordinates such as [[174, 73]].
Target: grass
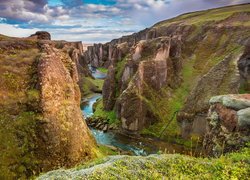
[[101, 152], [18, 142], [103, 70], [202, 17], [90, 85], [166, 166], [100, 112], [120, 67]]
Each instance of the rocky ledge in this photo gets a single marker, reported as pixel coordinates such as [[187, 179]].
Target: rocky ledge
[[228, 123], [41, 35], [100, 124]]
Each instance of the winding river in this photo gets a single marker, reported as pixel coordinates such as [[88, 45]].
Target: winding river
[[137, 146]]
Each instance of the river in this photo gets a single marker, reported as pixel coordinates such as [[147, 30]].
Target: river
[[137, 146]]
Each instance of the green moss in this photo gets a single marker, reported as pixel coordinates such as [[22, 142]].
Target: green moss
[[90, 85], [166, 166], [120, 68], [103, 70], [11, 81], [164, 105], [100, 112], [18, 144], [244, 88]]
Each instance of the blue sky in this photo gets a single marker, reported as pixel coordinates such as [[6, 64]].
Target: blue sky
[[93, 21]]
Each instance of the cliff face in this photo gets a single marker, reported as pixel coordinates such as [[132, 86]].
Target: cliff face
[[178, 64], [42, 126], [65, 135]]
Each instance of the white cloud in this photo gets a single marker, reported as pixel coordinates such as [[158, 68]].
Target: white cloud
[[95, 22], [15, 31]]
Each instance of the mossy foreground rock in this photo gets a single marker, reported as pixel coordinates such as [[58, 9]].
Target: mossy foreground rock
[[169, 166], [41, 124], [229, 123]]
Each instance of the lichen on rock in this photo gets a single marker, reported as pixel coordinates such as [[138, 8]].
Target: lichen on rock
[[228, 124]]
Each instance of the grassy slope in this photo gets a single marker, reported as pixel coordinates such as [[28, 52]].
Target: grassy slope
[[201, 17], [166, 166], [110, 116], [89, 85], [17, 109]]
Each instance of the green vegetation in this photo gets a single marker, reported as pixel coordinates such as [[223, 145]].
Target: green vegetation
[[18, 143], [100, 112], [19, 119], [90, 85], [166, 166], [212, 15], [206, 54], [101, 153], [120, 68], [103, 70]]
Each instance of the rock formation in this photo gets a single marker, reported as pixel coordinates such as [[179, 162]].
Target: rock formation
[[42, 126], [228, 123], [41, 35], [65, 136]]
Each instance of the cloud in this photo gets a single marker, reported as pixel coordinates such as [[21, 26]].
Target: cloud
[[32, 11], [13, 30], [149, 12], [93, 20]]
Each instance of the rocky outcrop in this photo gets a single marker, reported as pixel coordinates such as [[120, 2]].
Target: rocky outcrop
[[65, 137], [41, 35], [244, 69], [109, 90], [100, 124], [42, 124], [228, 123], [152, 74]]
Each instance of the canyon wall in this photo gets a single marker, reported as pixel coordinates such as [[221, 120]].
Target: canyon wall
[[176, 65], [42, 126]]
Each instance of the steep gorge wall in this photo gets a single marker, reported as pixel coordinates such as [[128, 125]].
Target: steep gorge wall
[[180, 64], [42, 127], [65, 136]]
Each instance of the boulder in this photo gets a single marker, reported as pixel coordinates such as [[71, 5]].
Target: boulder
[[244, 118], [228, 123], [235, 102], [41, 35], [105, 128]]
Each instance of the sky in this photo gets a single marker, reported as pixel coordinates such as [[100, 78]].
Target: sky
[[93, 21]]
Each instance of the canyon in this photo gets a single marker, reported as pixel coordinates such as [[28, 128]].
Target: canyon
[[176, 65], [184, 81]]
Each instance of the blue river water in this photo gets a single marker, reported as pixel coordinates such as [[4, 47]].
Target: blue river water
[[123, 142]]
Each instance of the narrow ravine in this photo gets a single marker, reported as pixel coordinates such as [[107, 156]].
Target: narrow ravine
[[136, 146]]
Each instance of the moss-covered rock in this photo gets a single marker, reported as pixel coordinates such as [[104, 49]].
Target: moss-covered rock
[[166, 166], [228, 124], [41, 122]]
